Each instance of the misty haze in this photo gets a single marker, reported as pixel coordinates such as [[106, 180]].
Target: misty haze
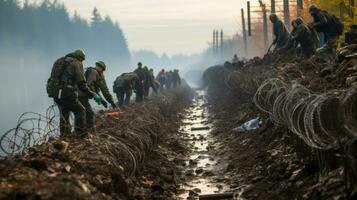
[[178, 99]]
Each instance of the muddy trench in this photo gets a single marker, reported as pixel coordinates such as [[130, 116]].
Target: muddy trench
[[204, 168]]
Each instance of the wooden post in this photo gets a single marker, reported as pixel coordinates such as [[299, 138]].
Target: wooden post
[[217, 35], [265, 28], [244, 35], [272, 4], [300, 7], [352, 6], [286, 13], [249, 19], [221, 44], [342, 11], [214, 43]]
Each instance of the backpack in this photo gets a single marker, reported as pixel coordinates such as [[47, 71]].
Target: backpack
[[54, 83], [336, 24]]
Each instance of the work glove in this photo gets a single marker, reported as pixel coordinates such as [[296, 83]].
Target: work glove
[[97, 98], [105, 104]]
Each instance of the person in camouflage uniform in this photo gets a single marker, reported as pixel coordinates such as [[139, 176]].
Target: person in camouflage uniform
[[304, 36], [161, 77], [72, 81], [153, 83], [96, 82], [280, 32], [123, 87], [168, 79], [139, 87], [147, 82], [176, 79]]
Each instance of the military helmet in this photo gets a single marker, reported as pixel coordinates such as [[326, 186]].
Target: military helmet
[[312, 8], [80, 53], [101, 64]]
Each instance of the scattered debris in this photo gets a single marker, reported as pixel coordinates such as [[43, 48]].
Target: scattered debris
[[249, 125]]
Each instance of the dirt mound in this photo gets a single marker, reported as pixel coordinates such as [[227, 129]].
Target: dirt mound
[[306, 146], [114, 163]]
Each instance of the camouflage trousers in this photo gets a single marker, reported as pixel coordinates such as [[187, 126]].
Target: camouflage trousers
[[89, 112], [139, 97], [66, 106], [123, 96]]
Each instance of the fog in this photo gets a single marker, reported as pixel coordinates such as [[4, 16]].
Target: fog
[[33, 36]]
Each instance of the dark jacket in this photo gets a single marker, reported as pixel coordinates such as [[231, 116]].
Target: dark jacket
[[74, 74], [322, 23], [280, 32], [304, 36]]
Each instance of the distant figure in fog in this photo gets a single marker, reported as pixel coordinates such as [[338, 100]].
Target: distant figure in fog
[[168, 78], [161, 77], [139, 87], [153, 85], [235, 59], [176, 79], [147, 82]]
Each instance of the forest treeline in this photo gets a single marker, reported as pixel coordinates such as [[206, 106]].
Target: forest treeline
[[48, 29], [34, 35]]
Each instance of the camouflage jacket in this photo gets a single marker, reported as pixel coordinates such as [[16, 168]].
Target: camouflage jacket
[[96, 82], [74, 74], [125, 80]]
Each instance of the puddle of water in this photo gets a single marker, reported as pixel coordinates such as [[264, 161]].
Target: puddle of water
[[201, 162]]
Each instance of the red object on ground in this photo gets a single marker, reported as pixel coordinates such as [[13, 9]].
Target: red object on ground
[[114, 114]]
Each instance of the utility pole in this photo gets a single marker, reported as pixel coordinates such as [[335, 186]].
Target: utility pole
[[214, 43], [342, 11], [272, 4], [286, 13], [244, 35], [300, 7], [249, 19], [221, 44], [265, 24], [217, 42], [352, 6]]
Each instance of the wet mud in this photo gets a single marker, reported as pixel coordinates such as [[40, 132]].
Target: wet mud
[[202, 170]]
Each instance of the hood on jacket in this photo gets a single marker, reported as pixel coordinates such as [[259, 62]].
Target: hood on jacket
[[273, 18]]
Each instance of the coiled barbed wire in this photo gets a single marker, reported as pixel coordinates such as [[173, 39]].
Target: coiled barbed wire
[[31, 129], [321, 120], [125, 141]]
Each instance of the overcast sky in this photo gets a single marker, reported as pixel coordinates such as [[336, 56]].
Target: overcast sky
[[172, 26]]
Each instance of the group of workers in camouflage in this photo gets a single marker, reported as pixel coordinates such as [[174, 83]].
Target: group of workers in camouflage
[[140, 81], [304, 38], [169, 79], [71, 88]]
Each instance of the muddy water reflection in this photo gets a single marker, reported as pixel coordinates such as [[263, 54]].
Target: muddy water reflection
[[201, 165]]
